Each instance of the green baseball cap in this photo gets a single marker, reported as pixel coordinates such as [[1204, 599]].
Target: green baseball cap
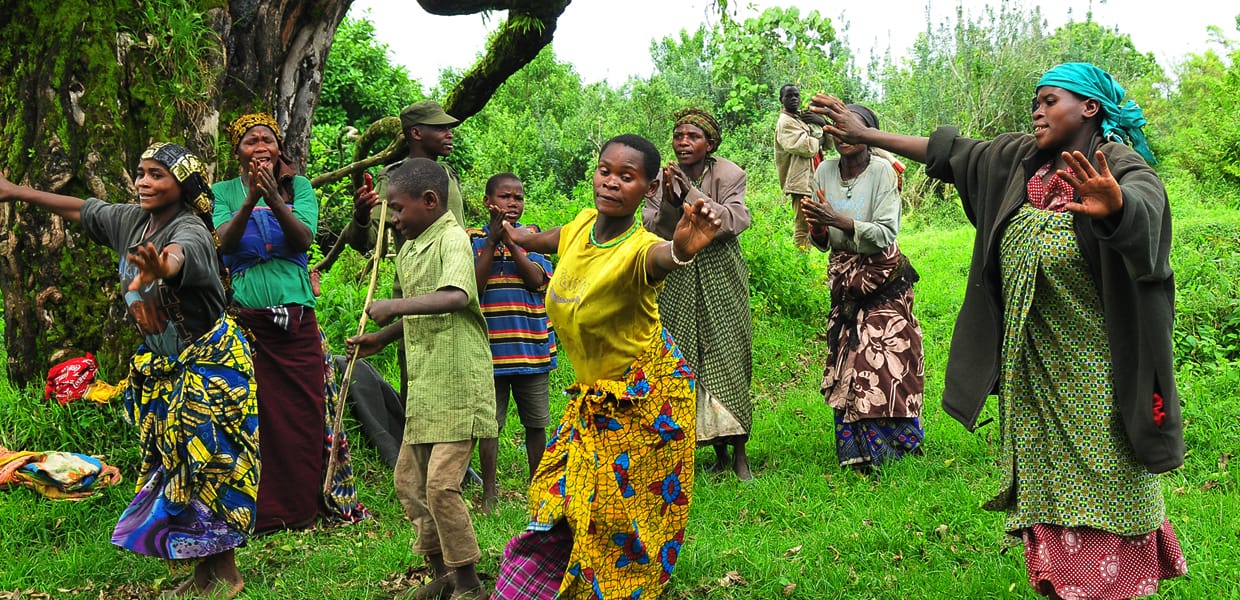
[[426, 112]]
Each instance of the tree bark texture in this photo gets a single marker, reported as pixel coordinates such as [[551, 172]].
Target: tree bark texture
[[86, 86]]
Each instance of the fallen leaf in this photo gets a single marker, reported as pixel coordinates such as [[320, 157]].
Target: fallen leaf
[[793, 551], [948, 462], [1222, 460], [788, 589], [1180, 491], [731, 579], [1209, 485], [941, 531]]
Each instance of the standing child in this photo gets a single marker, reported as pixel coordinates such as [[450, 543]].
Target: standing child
[[190, 392], [512, 284], [796, 145], [1067, 316], [450, 398]]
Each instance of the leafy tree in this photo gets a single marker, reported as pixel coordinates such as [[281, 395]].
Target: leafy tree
[[360, 83], [1200, 131], [685, 64]]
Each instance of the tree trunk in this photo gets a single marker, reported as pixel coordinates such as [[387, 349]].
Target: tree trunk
[[87, 86]]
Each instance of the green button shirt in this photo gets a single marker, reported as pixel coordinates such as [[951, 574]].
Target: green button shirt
[[451, 391]]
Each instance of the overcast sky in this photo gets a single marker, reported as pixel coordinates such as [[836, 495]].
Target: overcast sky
[[610, 40]]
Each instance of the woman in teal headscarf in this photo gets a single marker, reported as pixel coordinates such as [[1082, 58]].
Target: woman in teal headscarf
[[1067, 317]]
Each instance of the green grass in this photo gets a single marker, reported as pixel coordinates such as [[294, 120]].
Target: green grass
[[803, 529]]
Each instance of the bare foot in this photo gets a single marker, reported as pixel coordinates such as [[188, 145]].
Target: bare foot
[[489, 502], [224, 589], [186, 589], [741, 465]]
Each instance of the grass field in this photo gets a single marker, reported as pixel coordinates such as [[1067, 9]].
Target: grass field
[[803, 528]]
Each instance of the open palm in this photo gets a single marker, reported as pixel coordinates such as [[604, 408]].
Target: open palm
[[1099, 192], [696, 229]]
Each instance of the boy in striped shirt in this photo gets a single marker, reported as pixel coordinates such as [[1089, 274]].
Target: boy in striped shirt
[[511, 286]]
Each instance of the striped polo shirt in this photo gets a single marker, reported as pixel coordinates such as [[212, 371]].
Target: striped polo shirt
[[522, 339]]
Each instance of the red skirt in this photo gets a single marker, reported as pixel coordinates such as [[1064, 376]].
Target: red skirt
[[289, 370], [1082, 563]]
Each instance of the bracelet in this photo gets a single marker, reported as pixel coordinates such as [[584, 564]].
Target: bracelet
[[179, 259], [671, 246]]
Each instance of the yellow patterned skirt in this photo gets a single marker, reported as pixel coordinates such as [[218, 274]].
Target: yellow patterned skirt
[[619, 471]]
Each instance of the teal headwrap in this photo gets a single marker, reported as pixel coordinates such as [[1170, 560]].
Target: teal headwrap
[[1120, 123]]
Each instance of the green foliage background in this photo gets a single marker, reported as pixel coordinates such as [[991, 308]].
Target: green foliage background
[[804, 528]]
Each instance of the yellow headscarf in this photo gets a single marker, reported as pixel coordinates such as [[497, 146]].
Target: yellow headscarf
[[244, 123]]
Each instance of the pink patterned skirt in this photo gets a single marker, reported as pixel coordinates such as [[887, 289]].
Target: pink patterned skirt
[[1082, 563]]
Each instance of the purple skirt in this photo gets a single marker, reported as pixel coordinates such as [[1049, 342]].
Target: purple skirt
[[154, 526]]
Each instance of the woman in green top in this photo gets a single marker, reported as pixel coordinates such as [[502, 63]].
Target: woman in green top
[[266, 220]]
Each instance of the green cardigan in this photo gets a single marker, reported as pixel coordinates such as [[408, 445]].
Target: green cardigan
[[1128, 256]]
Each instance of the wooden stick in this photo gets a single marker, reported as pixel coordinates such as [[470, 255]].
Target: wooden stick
[[338, 423]]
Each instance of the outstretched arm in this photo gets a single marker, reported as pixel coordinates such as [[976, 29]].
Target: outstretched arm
[[696, 230], [65, 206], [848, 127], [542, 242]]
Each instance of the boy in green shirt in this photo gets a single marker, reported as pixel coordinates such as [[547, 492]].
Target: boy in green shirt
[[450, 397]]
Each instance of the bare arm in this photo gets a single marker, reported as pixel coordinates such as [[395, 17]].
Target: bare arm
[[533, 277], [263, 185], [65, 206], [154, 263], [370, 343], [542, 242], [849, 128], [484, 259], [440, 301]]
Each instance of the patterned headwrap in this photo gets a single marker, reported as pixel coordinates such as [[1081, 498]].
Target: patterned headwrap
[[1120, 122], [188, 171], [244, 123], [702, 120]]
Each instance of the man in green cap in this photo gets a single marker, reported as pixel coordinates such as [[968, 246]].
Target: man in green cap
[[428, 130]]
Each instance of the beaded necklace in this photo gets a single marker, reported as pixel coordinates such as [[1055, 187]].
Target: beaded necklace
[[613, 242]]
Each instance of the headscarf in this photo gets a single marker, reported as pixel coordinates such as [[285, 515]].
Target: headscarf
[[188, 171], [1120, 122], [244, 123], [702, 120], [867, 116]]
